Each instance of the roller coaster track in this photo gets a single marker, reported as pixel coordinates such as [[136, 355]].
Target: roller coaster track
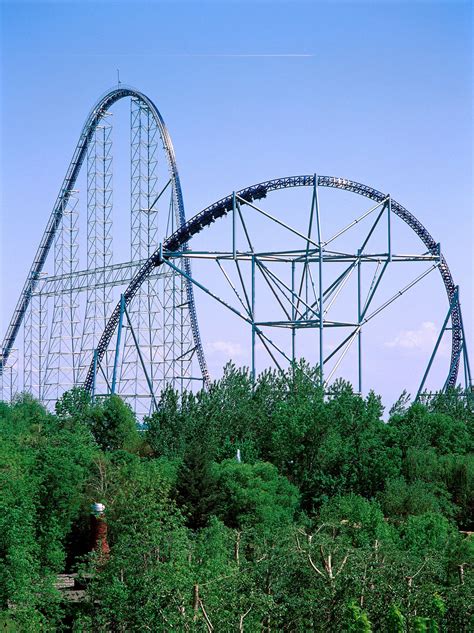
[[92, 121], [179, 239]]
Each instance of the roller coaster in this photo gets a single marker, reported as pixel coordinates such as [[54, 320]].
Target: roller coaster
[[73, 335]]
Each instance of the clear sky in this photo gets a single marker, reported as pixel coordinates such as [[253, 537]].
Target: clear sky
[[378, 92]]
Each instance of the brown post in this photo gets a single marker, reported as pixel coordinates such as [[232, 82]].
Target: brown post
[[99, 542]]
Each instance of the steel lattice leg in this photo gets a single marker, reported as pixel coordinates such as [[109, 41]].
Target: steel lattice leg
[[99, 243], [145, 311], [62, 359], [9, 378], [35, 343]]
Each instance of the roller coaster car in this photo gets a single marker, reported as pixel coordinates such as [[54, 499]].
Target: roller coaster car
[[259, 193], [219, 212], [254, 194]]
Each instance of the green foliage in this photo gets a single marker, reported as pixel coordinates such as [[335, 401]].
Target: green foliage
[[196, 488], [43, 468], [357, 619], [359, 520], [426, 533], [168, 428], [74, 406], [148, 556], [113, 425], [333, 520], [401, 499], [249, 495], [110, 420], [420, 427], [395, 620]]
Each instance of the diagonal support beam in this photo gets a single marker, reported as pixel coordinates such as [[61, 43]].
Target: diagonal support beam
[[277, 221], [354, 222], [140, 356]]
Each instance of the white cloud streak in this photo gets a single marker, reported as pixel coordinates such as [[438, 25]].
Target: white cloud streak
[[230, 349], [421, 339]]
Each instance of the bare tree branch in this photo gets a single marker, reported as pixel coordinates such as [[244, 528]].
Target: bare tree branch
[[241, 622], [342, 565], [311, 562], [206, 617]]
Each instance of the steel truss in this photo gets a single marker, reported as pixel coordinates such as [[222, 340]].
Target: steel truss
[[64, 345], [110, 276], [462, 354], [9, 378], [157, 338], [144, 238], [99, 238], [61, 332], [61, 367], [35, 344], [306, 301]]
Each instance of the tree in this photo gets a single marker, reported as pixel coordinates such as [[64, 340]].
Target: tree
[[113, 425], [253, 495], [146, 582], [196, 488]]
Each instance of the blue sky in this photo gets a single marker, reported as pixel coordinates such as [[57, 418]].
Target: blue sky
[[378, 92]]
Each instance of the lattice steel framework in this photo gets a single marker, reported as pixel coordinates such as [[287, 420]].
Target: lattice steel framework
[[149, 329], [9, 378], [178, 341], [64, 313], [62, 361], [35, 344], [99, 240], [293, 297], [67, 344]]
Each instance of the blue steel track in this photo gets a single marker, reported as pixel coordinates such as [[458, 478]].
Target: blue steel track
[[179, 239]]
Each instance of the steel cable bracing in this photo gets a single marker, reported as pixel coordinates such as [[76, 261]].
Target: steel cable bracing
[[92, 121], [179, 240]]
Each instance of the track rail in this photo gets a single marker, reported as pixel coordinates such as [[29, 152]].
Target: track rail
[[179, 239], [92, 121]]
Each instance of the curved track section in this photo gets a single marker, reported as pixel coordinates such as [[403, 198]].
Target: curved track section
[[92, 121], [180, 238]]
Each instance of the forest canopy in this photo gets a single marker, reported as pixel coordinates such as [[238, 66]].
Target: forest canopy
[[250, 506]]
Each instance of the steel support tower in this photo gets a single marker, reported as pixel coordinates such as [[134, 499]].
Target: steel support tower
[[63, 312]]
